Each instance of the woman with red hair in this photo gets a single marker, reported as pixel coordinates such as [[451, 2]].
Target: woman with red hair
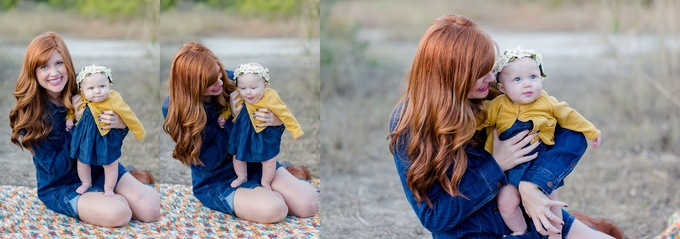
[[448, 178], [43, 92], [199, 92]]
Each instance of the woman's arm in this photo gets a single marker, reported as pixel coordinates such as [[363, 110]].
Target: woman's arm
[[52, 156]]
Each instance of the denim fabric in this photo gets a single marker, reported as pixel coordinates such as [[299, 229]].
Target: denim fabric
[[212, 180], [476, 215], [250, 146], [56, 173], [515, 174]]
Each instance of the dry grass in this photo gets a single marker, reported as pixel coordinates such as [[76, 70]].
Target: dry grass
[[631, 179], [179, 26]]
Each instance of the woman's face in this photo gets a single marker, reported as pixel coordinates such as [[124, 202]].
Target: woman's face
[[481, 87], [215, 89], [53, 75]]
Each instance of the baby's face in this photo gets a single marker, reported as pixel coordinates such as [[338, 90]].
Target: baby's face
[[251, 87], [95, 87], [521, 81]]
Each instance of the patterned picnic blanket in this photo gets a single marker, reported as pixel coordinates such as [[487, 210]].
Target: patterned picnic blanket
[[673, 230], [22, 215]]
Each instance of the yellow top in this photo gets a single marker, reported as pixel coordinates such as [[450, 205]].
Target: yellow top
[[270, 100], [545, 113], [114, 102]]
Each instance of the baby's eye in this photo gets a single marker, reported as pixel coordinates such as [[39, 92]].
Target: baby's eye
[[90, 88], [532, 77], [516, 79]]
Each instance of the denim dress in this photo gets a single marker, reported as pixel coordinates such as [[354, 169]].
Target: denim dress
[[251, 146], [476, 215], [56, 172], [90, 147], [212, 180]]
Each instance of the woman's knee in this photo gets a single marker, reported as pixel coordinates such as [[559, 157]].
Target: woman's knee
[[115, 213], [306, 206], [148, 207]]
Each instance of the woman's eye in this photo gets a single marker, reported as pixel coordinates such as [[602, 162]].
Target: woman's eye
[[42, 67], [60, 63]]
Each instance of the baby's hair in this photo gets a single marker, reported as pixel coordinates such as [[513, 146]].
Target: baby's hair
[[93, 69]]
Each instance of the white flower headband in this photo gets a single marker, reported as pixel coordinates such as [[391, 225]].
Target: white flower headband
[[253, 69], [511, 54], [89, 70]]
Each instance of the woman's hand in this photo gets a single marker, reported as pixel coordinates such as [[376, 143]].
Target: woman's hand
[[234, 103], [269, 118], [111, 118], [509, 153], [537, 205], [75, 100]]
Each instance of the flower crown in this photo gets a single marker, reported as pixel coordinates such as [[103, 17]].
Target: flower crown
[[253, 69], [89, 70], [511, 54]]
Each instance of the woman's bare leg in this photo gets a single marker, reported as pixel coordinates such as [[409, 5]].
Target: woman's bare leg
[[110, 177], [268, 172], [580, 230], [143, 200], [101, 210], [300, 197], [85, 177], [259, 205]]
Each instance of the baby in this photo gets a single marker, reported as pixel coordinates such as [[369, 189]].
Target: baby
[[249, 143], [91, 144], [525, 106]]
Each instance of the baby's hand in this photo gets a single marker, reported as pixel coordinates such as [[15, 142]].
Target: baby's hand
[[597, 141], [221, 121], [69, 124]]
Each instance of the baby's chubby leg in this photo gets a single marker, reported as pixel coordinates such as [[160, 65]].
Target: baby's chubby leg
[[241, 169], [85, 177], [508, 205], [557, 212], [110, 177], [268, 171]]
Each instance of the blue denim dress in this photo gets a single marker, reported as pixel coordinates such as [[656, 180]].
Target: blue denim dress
[[90, 147], [476, 215], [212, 180], [56, 172], [251, 146]]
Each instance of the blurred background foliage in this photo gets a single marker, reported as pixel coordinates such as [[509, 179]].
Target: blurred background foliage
[[270, 8]]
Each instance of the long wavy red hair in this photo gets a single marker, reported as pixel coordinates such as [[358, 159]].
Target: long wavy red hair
[[193, 69], [437, 119], [28, 118]]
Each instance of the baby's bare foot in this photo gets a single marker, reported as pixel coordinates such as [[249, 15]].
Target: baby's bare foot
[[83, 188], [108, 192], [238, 182]]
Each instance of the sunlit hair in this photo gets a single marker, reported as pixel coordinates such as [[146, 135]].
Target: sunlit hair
[[28, 118], [437, 120], [193, 69]]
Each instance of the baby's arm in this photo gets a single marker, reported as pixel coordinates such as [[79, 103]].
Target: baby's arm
[[223, 118], [569, 118]]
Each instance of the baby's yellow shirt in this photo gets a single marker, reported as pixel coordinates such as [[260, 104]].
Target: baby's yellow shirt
[[272, 101], [114, 102], [545, 112]]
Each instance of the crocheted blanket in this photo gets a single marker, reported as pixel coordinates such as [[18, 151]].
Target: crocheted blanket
[[22, 215], [673, 229]]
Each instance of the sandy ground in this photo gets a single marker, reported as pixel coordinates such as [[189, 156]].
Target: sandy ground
[[629, 183]]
